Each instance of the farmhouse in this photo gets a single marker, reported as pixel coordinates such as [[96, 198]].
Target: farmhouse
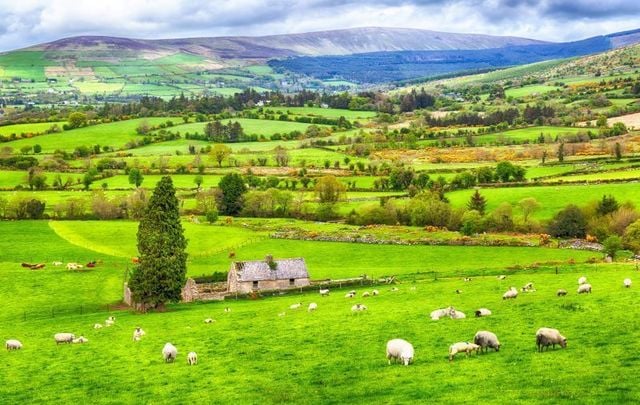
[[267, 274]]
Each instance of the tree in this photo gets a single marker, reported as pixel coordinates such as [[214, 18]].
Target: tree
[[198, 180], [220, 152], [570, 222], [143, 128], [88, 178], [631, 237], [212, 216], [329, 190], [601, 122], [607, 205], [471, 223], [37, 148], [528, 206], [161, 272], [77, 119], [232, 187], [477, 203], [561, 152], [617, 151], [135, 177], [611, 245], [281, 156]]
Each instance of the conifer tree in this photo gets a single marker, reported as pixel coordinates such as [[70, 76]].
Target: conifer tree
[[477, 203]]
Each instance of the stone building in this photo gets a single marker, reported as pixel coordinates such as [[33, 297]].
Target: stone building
[[267, 274]]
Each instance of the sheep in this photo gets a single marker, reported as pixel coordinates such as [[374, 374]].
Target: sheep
[[461, 347], [482, 312], [209, 320], [512, 293], [453, 314], [439, 313], [400, 350], [80, 340], [627, 282], [375, 292], [312, 307], [57, 264], [324, 292], [358, 308], [169, 353], [528, 288], [64, 338], [546, 337], [192, 358], [13, 344], [486, 340], [394, 289], [138, 333], [97, 326], [366, 294], [467, 279], [584, 288], [502, 277], [72, 266], [458, 291], [561, 292], [227, 309], [295, 306], [352, 292], [109, 322], [349, 295], [582, 280]]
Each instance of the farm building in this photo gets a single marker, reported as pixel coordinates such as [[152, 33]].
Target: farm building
[[267, 274]]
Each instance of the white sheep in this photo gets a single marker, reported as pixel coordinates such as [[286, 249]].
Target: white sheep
[[295, 306], [400, 350], [502, 277], [467, 279], [627, 282], [324, 292], [349, 295], [358, 308], [80, 340], [192, 358], [110, 321], [138, 333], [510, 294], [584, 288], [462, 347], [561, 292], [312, 307], [57, 264], [375, 292], [439, 313], [582, 280], [482, 312], [394, 289], [454, 314], [13, 344], [169, 353], [64, 337], [486, 340], [97, 326], [546, 337], [209, 320], [366, 294], [227, 309]]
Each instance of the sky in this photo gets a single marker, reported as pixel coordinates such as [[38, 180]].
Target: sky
[[29, 22]]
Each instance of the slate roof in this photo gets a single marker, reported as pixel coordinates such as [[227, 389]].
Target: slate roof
[[257, 270]]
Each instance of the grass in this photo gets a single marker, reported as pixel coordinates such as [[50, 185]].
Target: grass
[[251, 127], [324, 112], [527, 134], [34, 128], [524, 91]]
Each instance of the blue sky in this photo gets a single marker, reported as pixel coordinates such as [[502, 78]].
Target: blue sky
[[28, 22]]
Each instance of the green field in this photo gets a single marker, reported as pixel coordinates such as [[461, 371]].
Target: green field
[[324, 112], [251, 127], [34, 128], [518, 92]]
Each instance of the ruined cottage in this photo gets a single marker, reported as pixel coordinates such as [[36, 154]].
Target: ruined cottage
[[268, 274]]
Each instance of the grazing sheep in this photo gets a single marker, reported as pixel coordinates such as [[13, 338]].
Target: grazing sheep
[[486, 340], [295, 306], [394, 289], [467, 279], [138, 333], [627, 282], [349, 295], [458, 291], [192, 358], [453, 314], [439, 313], [352, 292], [400, 350], [324, 292], [312, 307], [169, 353], [72, 266], [482, 312], [209, 320], [528, 288], [546, 337], [584, 288], [13, 344], [502, 277], [80, 340], [561, 292], [57, 264], [366, 294], [227, 309], [64, 338], [462, 347], [375, 292], [358, 308], [512, 293], [582, 280], [109, 322], [97, 326]]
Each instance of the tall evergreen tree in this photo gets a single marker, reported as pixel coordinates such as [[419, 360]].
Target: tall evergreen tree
[[232, 187], [161, 273], [477, 203]]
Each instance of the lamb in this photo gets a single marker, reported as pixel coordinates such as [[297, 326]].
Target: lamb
[[486, 340], [582, 280], [584, 288], [349, 295], [453, 314], [138, 333], [13, 344], [80, 340], [366, 294], [462, 347], [169, 353], [528, 288], [227, 309], [358, 308], [458, 291], [312, 307], [97, 326], [64, 338], [546, 337], [512, 293], [295, 306], [482, 312], [467, 279], [561, 292], [400, 350], [627, 282], [439, 313], [375, 292], [209, 320], [192, 358], [324, 292]]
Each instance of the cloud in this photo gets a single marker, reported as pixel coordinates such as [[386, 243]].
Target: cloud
[[27, 22]]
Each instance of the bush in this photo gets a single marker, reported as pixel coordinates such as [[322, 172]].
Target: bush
[[570, 222], [212, 216]]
